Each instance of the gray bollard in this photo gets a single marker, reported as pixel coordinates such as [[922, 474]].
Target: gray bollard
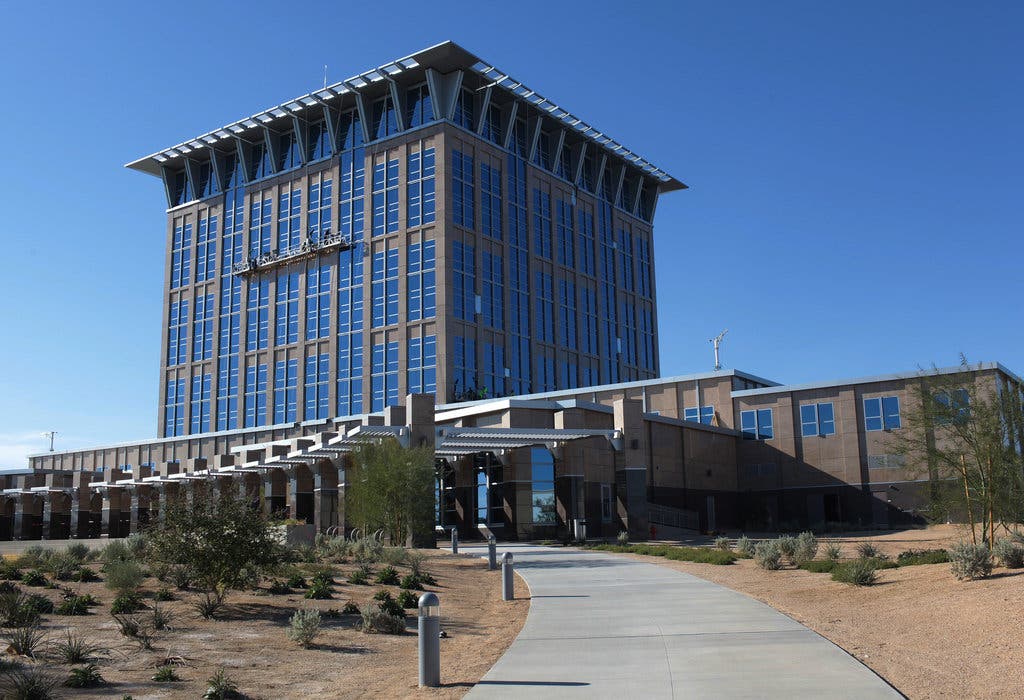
[[507, 580], [492, 553], [455, 541], [430, 640]]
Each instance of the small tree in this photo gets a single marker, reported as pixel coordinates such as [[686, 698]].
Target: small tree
[[220, 541], [390, 487]]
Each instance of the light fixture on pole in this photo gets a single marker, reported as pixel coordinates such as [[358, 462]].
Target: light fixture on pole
[[717, 341], [50, 435]]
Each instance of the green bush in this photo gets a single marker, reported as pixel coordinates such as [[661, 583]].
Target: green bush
[[74, 649], [833, 552], [623, 538], [394, 556], [859, 572], [916, 557], [818, 566], [806, 546], [768, 555], [124, 576], [75, 605], [408, 600], [411, 582], [723, 543], [377, 620], [38, 604], [745, 546], [24, 641], [387, 576], [305, 626], [387, 604], [9, 572], [700, 555], [78, 551], [1010, 553], [324, 575], [126, 603], [970, 561], [277, 588], [318, 590], [35, 577], [17, 611], [161, 618], [295, 581], [63, 566], [787, 547], [84, 574], [31, 683], [163, 594], [114, 552], [866, 550], [360, 577], [166, 674], [221, 686], [34, 557], [87, 676], [350, 608]]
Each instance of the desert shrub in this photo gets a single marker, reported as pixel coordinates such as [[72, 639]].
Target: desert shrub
[[124, 576], [295, 581], [128, 625], [415, 560], [278, 588], [305, 626], [179, 576], [745, 546], [360, 577], [318, 589], [75, 605], [75, 649], [35, 577], [387, 576], [84, 574], [806, 546], [425, 578], [38, 604], [350, 608], [366, 550], [411, 582], [24, 641], [324, 574], [970, 561], [34, 557], [818, 566], [8, 587], [126, 603], [408, 600], [114, 552], [387, 603], [700, 555], [377, 620], [9, 571], [30, 683], [137, 545], [208, 605], [16, 611], [787, 546], [166, 674], [859, 572], [305, 553], [78, 551], [63, 566], [723, 543], [87, 676], [221, 686], [623, 538], [866, 550], [915, 557], [833, 552], [395, 556], [1010, 553], [163, 594], [768, 555], [161, 618]]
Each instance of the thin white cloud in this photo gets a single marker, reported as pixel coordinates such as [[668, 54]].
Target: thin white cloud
[[16, 447]]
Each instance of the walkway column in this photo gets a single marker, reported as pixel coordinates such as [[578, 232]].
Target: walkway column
[[292, 486], [340, 495], [134, 510], [47, 514], [325, 495], [105, 513], [76, 507], [18, 531], [267, 486]]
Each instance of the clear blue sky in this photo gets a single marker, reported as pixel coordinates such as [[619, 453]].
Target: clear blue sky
[[855, 172]]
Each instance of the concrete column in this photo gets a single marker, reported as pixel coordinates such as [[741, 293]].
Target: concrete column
[[325, 494], [292, 486], [76, 508], [267, 486], [134, 510], [107, 512], [156, 511], [48, 514], [340, 495], [18, 531]]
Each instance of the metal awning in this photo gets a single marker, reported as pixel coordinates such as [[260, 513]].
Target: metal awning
[[460, 442]]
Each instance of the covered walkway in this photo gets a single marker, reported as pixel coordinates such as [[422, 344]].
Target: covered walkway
[[603, 626]]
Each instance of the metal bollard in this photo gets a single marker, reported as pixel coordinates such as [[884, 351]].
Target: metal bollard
[[507, 580], [492, 553], [430, 640], [455, 541]]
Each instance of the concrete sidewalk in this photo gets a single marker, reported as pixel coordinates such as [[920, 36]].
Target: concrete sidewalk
[[603, 626]]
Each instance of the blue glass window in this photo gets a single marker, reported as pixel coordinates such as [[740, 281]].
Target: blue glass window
[[492, 302], [588, 174], [385, 197], [492, 125], [257, 315], [625, 251], [207, 182], [542, 157], [260, 229], [419, 111], [260, 159], [952, 407], [289, 219], [318, 216], [286, 312], [465, 113], [319, 141], [542, 487], [350, 374], [882, 412], [544, 293], [464, 365], [255, 395], [817, 419], [288, 154], [230, 315], [565, 164], [757, 424], [317, 386], [318, 302], [703, 414], [206, 248], [202, 328], [422, 365], [568, 371], [542, 223], [420, 200], [627, 333], [350, 196], [627, 194], [384, 120], [350, 131], [563, 224], [181, 255], [421, 284], [588, 320], [586, 230], [384, 376], [646, 335], [227, 393], [286, 381], [182, 189], [567, 314], [201, 386], [174, 408], [462, 189], [493, 370], [490, 201], [643, 255], [177, 333], [234, 227], [384, 286], [464, 280]]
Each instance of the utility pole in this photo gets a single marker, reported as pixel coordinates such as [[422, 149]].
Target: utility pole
[[50, 435], [717, 342]]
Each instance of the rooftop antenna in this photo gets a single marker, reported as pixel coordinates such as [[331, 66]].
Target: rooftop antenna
[[50, 435], [717, 342], [325, 76]]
